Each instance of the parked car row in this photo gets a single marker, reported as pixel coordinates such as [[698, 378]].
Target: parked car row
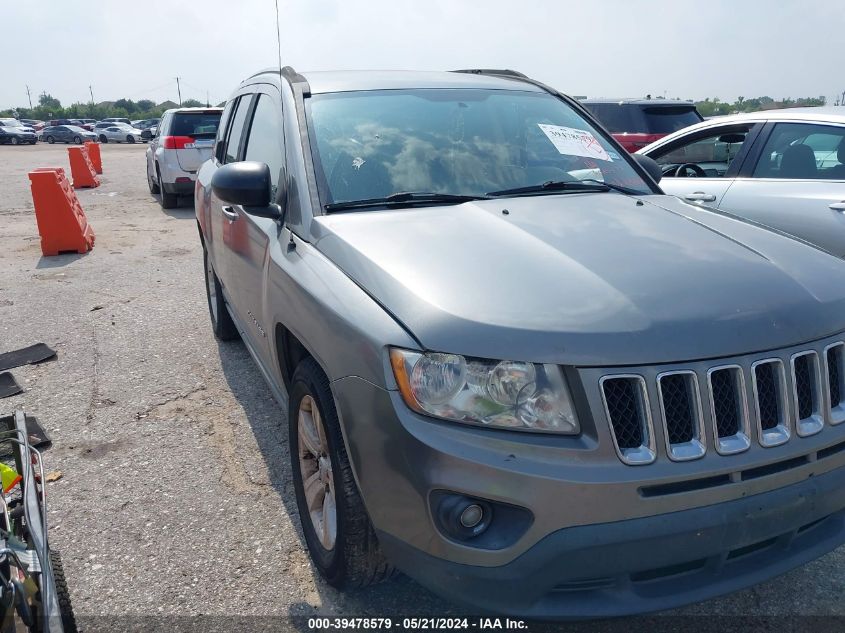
[[109, 130]]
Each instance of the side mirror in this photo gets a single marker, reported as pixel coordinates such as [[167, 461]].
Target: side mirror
[[650, 166], [247, 184]]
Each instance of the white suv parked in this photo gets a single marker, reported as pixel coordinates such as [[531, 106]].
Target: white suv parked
[[183, 142]]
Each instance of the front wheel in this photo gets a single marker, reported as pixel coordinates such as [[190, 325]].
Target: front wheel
[[51, 140], [337, 529], [77, 140], [130, 138], [14, 140], [221, 321], [103, 139]]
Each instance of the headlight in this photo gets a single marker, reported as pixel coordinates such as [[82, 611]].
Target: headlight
[[502, 394]]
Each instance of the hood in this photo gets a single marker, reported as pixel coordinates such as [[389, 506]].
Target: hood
[[588, 279]]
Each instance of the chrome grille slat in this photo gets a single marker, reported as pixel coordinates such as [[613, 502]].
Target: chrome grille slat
[[729, 409], [771, 401], [806, 393], [626, 405], [834, 357], [680, 408]]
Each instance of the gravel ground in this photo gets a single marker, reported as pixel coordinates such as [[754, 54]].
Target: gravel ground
[[176, 496]]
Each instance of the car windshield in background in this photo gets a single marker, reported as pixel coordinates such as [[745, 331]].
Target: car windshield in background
[[372, 144], [196, 124]]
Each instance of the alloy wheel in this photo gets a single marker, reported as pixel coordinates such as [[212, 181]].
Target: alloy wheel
[[315, 467]]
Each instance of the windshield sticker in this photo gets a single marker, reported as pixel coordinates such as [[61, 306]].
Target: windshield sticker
[[614, 155], [572, 142]]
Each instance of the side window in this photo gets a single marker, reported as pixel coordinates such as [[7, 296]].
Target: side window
[[219, 142], [803, 151], [264, 143], [233, 138], [708, 156]]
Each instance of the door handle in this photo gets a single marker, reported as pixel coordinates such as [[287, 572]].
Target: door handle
[[700, 196], [838, 206], [230, 214]]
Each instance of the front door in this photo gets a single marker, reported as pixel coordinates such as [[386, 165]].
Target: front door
[[700, 168], [250, 235]]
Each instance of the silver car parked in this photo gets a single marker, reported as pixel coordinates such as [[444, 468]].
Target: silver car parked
[[782, 168], [119, 133]]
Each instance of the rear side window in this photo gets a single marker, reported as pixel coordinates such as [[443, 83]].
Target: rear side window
[[803, 151], [668, 119], [196, 124], [264, 143], [235, 132], [616, 118]]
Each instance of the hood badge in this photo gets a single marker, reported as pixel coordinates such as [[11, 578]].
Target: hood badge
[[357, 162]]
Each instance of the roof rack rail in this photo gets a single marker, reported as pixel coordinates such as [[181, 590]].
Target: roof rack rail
[[288, 73], [504, 72]]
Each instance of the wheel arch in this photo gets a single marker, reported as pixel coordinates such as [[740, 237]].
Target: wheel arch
[[290, 351]]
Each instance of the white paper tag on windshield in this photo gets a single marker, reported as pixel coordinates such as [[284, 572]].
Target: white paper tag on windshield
[[572, 142]]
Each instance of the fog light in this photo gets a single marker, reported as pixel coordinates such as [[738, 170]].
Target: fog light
[[472, 515], [478, 522]]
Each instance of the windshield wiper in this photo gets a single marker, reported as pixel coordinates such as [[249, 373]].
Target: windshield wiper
[[404, 198], [586, 184]]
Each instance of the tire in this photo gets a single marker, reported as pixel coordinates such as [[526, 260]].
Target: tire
[[77, 140], [130, 139], [14, 140], [51, 140], [354, 558], [62, 593], [104, 139], [221, 321], [167, 200], [152, 184]]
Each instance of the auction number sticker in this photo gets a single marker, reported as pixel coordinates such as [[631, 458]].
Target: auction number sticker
[[573, 142]]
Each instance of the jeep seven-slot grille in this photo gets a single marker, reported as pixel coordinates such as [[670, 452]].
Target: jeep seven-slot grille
[[678, 408], [768, 395], [804, 386], [726, 403], [626, 410], [781, 397]]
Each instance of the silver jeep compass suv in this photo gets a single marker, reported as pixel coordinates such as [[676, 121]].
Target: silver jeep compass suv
[[513, 368]]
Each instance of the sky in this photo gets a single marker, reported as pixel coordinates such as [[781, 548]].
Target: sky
[[609, 48]]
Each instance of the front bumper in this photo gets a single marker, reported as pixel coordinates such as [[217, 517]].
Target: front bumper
[[596, 545], [647, 564]]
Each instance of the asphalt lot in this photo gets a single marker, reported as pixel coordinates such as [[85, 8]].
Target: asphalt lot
[[176, 497]]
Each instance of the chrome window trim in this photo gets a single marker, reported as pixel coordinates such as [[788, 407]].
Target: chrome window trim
[[697, 447], [835, 415], [645, 453], [815, 423], [741, 440], [780, 434]]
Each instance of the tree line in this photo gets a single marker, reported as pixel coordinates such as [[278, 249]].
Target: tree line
[[716, 107], [51, 108]]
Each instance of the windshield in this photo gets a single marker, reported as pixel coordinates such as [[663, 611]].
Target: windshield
[[372, 144]]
